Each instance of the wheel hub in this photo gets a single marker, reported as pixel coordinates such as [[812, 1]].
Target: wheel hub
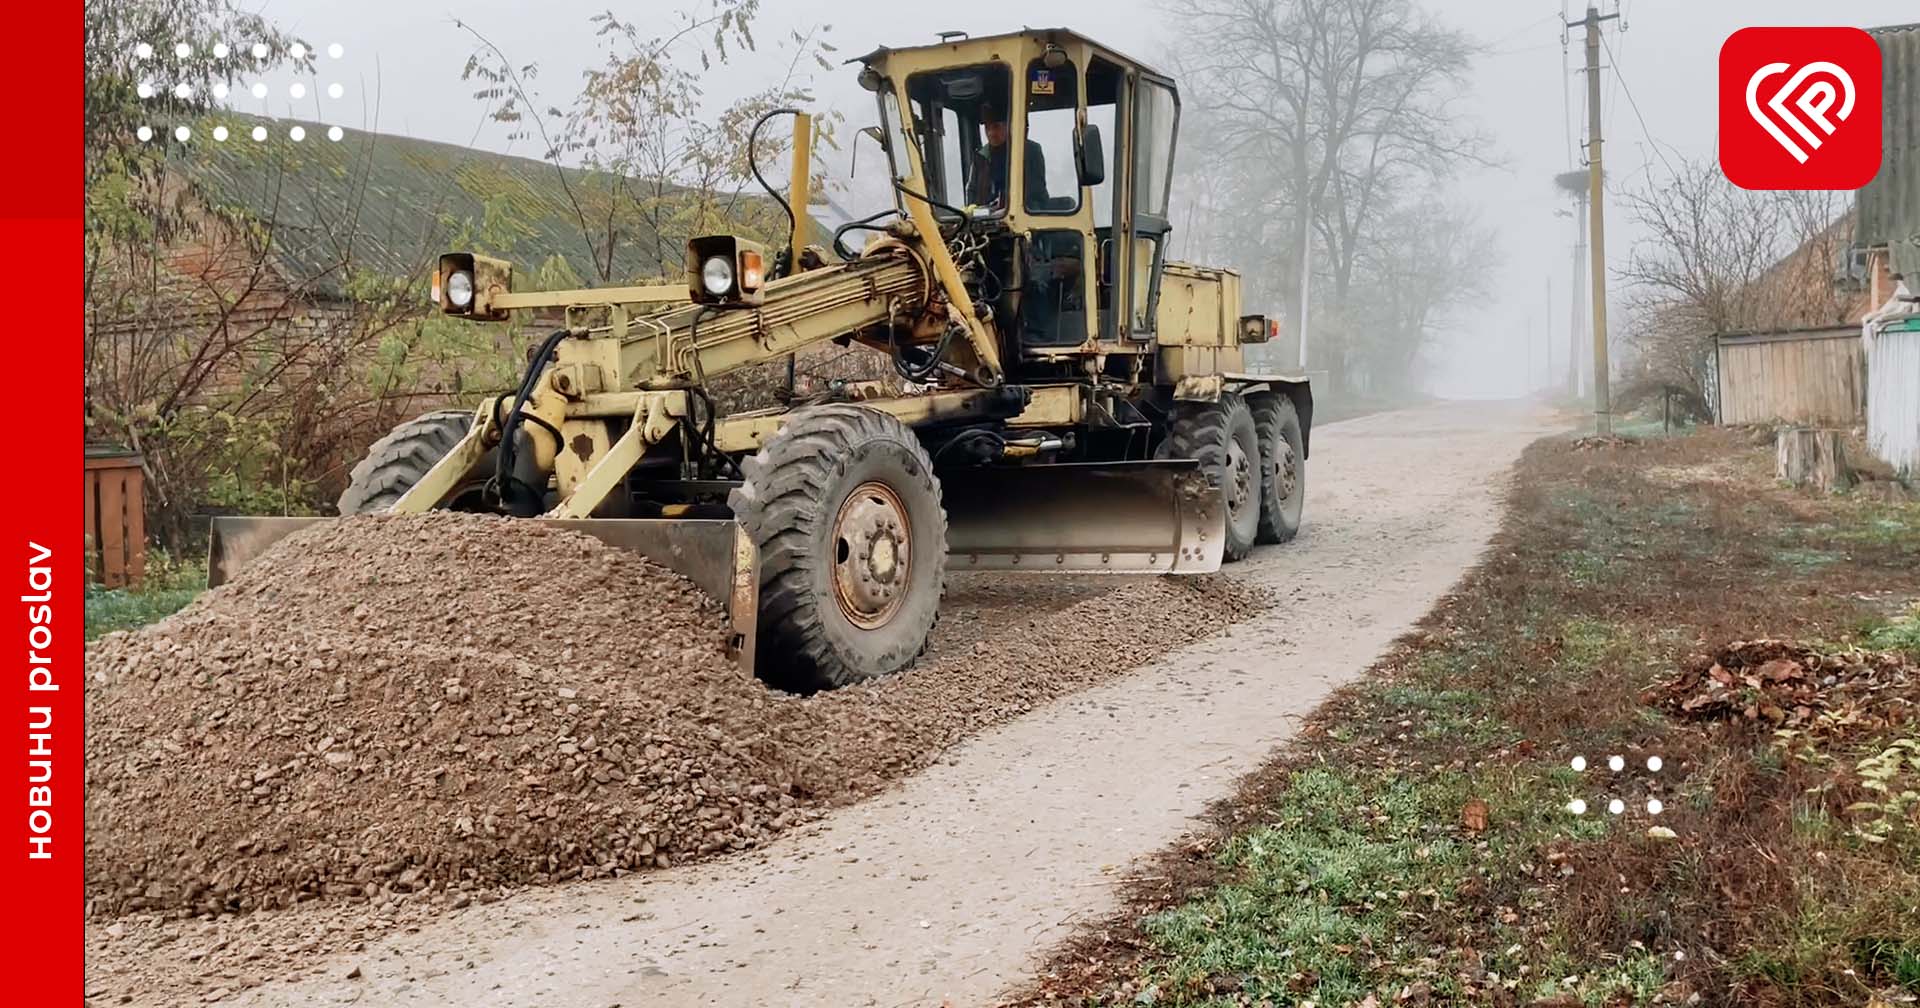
[[1240, 479], [1287, 469], [872, 559]]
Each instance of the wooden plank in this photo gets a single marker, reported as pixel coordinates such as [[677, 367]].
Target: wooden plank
[[90, 497], [114, 462], [113, 531], [1787, 379], [1790, 336], [137, 525], [1733, 385]]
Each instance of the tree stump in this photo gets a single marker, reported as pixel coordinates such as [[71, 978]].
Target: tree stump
[[1806, 455]]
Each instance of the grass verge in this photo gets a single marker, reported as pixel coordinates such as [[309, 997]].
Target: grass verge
[[168, 586], [1419, 844]]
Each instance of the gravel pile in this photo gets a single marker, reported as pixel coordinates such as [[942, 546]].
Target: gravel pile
[[449, 705]]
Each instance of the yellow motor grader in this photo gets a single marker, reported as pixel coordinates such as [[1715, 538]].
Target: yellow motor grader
[[1068, 400]]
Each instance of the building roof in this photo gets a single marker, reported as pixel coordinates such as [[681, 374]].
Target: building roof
[[388, 205], [1889, 206]]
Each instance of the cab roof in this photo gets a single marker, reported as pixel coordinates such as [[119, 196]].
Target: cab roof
[[1043, 34]]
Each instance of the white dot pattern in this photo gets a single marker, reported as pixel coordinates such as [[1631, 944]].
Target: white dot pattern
[[220, 90]]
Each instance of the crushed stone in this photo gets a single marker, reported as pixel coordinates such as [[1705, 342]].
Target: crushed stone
[[442, 707]]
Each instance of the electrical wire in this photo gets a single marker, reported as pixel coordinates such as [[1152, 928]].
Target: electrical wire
[[1627, 89], [1566, 86], [753, 165]]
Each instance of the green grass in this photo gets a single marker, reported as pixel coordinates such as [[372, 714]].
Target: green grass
[[1806, 560], [168, 586], [1901, 633], [1346, 855], [1320, 899], [1651, 427], [1444, 713]]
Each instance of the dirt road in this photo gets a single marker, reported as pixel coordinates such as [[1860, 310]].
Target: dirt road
[[942, 888]]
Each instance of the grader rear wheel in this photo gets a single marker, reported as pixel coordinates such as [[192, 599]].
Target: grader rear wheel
[[844, 507], [1283, 470], [1222, 436]]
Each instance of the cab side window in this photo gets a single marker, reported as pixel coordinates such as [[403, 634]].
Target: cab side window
[[1052, 185]]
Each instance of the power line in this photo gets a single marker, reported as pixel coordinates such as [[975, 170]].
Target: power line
[[1517, 32], [1613, 90], [1566, 97], [1626, 88]]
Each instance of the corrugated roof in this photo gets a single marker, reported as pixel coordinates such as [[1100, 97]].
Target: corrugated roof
[[390, 204], [1889, 206]]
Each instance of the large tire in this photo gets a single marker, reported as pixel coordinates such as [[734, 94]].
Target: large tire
[[1283, 466], [1221, 435], [398, 461], [844, 507]]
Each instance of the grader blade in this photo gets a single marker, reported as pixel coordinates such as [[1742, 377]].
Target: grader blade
[[1157, 517], [714, 554]]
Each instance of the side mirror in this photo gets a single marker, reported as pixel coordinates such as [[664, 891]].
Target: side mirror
[[1090, 156]]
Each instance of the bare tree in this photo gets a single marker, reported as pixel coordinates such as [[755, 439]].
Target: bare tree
[[1716, 258], [651, 161]]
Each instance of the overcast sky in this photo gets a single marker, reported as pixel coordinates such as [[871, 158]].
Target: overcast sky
[[401, 63]]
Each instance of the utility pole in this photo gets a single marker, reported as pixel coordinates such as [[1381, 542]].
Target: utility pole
[[1577, 318], [1602, 405], [1546, 339]]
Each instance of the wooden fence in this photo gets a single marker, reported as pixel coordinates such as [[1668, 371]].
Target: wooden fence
[[116, 517], [1804, 376]]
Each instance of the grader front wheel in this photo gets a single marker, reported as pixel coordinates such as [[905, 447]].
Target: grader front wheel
[[844, 507], [398, 461]]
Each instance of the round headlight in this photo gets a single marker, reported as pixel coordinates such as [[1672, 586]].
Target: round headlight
[[716, 275], [460, 289]]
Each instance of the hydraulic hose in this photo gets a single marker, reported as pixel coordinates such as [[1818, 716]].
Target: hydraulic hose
[[753, 165], [514, 494]]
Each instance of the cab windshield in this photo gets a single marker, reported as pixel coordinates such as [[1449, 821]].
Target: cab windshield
[[960, 126]]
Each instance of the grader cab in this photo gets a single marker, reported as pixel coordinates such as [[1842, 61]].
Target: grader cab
[[1064, 398]]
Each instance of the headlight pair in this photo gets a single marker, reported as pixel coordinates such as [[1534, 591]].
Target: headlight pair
[[724, 269]]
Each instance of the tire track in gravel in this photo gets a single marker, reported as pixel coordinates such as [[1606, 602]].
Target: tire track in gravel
[[943, 888]]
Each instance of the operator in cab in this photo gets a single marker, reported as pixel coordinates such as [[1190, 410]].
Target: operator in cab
[[992, 165]]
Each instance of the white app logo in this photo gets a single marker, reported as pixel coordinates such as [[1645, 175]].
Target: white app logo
[[1814, 101]]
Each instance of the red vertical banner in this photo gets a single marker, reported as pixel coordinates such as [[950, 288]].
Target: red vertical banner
[[42, 544]]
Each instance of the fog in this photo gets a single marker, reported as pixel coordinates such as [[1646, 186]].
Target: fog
[[402, 62]]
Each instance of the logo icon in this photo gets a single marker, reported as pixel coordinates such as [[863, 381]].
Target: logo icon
[[1800, 108], [1814, 100]]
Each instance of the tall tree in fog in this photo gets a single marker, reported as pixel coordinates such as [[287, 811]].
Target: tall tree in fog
[[1319, 117]]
